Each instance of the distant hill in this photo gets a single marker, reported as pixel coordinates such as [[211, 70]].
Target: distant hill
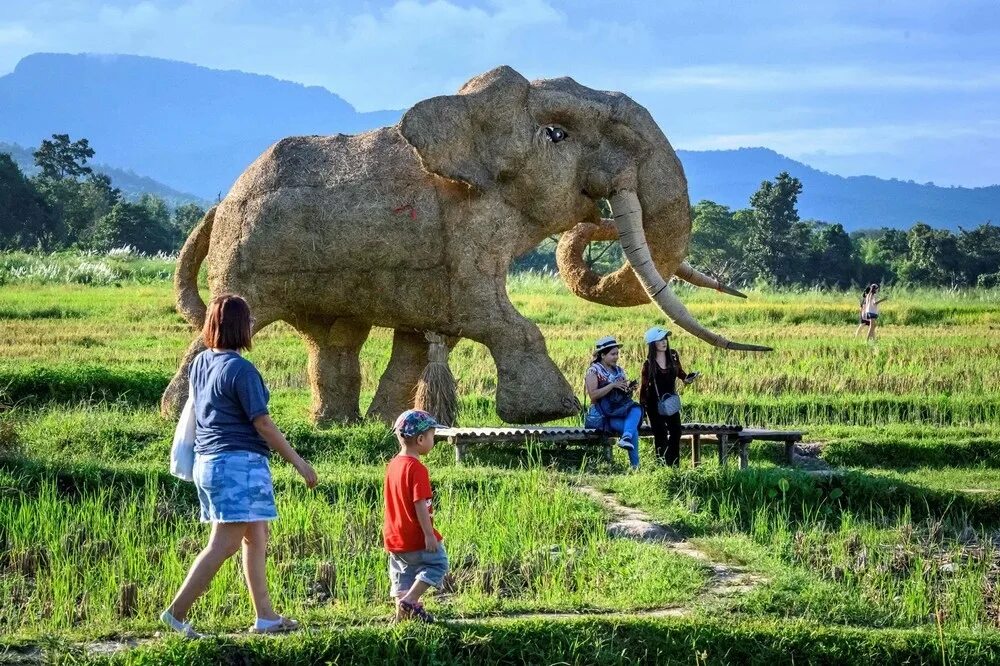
[[190, 127], [130, 183], [195, 129], [858, 202]]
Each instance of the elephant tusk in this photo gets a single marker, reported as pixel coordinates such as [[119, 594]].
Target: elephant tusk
[[692, 275], [628, 219]]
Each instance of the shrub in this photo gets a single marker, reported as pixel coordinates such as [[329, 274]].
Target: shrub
[[30, 385]]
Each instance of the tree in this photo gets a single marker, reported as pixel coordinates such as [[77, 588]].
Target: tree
[[25, 220], [186, 217], [133, 225], [795, 267], [769, 248], [932, 259], [979, 250], [879, 254], [60, 158], [156, 209], [831, 257], [717, 241], [78, 205]]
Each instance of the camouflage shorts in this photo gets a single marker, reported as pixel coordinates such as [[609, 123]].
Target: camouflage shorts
[[234, 487]]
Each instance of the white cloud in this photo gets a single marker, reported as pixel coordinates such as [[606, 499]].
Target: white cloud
[[836, 140], [136, 17], [743, 78], [851, 77], [14, 34], [375, 57]]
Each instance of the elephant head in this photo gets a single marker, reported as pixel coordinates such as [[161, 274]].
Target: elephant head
[[551, 149]]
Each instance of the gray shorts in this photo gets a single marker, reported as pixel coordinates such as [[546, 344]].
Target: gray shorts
[[405, 568]]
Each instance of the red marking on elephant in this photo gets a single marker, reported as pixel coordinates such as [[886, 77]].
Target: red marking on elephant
[[407, 207]]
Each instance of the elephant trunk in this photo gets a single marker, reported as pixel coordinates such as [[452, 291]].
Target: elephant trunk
[[628, 219], [620, 288]]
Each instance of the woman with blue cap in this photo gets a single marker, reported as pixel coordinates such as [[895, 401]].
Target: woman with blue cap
[[612, 408], [658, 394]]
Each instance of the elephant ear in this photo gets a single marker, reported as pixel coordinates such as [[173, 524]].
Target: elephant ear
[[476, 136]]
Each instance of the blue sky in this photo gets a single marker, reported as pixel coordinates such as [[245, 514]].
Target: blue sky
[[894, 89]]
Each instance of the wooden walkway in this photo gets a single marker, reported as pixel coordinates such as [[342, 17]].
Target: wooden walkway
[[728, 437]]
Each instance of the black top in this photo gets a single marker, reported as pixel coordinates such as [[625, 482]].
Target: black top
[[666, 380]]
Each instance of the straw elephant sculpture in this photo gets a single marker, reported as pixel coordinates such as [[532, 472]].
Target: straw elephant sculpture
[[414, 227]]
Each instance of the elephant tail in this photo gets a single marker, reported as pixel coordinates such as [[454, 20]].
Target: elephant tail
[[189, 302]]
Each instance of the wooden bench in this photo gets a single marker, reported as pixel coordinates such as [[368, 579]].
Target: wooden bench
[[725, 435], [789, 437], [463, 438]]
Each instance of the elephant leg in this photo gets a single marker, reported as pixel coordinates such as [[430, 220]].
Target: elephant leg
[[399, 381], [334, 368], [176, 393], [530, 388]]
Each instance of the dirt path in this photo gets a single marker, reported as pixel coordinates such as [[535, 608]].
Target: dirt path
[[631, 523]]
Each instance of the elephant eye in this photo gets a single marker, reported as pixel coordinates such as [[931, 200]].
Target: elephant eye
[[555, 134]]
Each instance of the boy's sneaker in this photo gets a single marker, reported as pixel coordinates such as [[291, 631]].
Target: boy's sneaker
[[416, 612], [625, 443], [182, 628]]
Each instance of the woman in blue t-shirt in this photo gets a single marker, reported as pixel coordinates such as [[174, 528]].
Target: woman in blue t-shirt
[[234, 435], [612, 408]]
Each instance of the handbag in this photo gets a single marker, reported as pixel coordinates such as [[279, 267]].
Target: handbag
[[182, 448], [666, 405], [669, 404], [614, 405]]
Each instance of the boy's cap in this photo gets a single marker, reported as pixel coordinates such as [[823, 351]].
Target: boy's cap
[[414, 422]]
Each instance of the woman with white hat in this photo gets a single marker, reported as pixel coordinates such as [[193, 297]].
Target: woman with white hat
[[658, 394], [612, 408]]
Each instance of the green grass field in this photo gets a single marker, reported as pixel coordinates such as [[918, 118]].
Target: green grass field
[[95, 535]]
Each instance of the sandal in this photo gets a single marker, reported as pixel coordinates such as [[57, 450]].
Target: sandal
[[282, 625], [416, 611], [182, 628]]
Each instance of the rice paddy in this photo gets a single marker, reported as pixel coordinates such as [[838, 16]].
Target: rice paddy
[[95, 535]]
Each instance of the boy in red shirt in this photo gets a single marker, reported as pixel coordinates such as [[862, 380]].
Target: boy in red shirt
[[417, 560]]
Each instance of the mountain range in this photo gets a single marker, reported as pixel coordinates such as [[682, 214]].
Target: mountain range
[[730, 177], [192, 128], [189, 128]]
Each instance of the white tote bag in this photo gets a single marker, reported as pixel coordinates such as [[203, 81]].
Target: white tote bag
[[182, 450]]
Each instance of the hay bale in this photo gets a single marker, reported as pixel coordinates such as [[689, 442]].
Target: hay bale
[[436, 391], [325, 580], [128, 601]]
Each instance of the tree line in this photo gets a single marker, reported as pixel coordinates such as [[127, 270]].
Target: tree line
[[66, 205], [768, 243]]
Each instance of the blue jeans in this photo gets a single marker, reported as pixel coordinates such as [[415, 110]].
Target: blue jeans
[[629, 429]]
